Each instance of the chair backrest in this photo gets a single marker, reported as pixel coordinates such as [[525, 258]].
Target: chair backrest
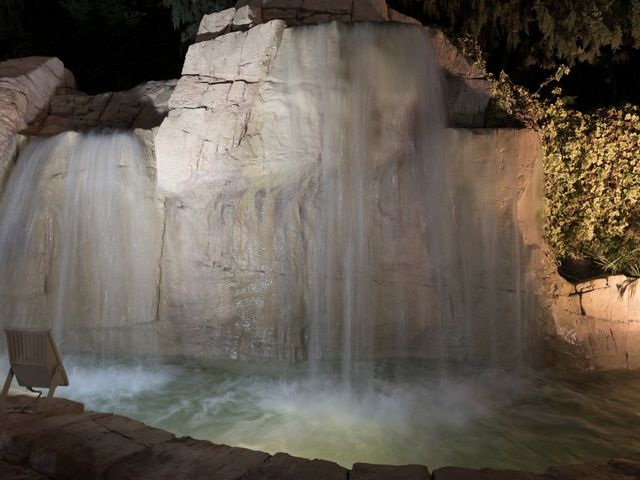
[[34, 357]]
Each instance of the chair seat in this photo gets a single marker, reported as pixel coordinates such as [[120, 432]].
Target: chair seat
[[34, 360]]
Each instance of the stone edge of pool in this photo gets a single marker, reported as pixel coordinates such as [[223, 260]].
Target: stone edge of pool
[[63, 441]]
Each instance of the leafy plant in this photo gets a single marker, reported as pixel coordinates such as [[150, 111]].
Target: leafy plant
[[592, 184]]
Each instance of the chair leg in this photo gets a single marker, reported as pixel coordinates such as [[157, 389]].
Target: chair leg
[[7, 384], [52, 389], [3, 397]]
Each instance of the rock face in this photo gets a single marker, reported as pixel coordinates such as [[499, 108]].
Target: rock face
[[144, 107], [467, 90], [230, 202], [26, 85], [596, 324], [220, 81], [230, 240]]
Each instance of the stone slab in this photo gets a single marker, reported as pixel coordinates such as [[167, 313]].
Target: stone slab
[[187, 458], [367, 471], [56, 406], [247, 17], [396, 16], [452, 61], [9, 471], [81, 451], [615, 300], [26, 86], [286, 467], [370, 11], [457, 473], [144, 106], [467, 100], [588, 471], [215, 24], [135, 430], [236, 55], [627, 465], [18, 440]]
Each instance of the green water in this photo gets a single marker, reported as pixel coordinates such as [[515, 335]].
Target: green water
[[407, 414]]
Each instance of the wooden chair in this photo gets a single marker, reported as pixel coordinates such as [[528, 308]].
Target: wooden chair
[[34, 360]]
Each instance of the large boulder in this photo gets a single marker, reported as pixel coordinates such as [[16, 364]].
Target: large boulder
[[241, 158], [26, 86], [210, 107]]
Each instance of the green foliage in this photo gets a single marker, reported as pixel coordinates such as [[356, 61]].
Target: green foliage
[[512, 105], [592, 184], [546, 33]]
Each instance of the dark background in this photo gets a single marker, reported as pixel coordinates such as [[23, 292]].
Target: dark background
[[114, 45]]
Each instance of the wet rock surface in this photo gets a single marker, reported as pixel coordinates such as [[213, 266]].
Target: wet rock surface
[[60, 440]]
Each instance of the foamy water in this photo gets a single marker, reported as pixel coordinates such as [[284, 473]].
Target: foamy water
[[492, 418]]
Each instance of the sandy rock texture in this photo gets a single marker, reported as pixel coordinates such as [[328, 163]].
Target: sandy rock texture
[[143, 107], [26, 85], [596, 324]]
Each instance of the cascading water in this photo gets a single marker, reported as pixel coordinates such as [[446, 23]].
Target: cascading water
[[79, 242], [410, 245]]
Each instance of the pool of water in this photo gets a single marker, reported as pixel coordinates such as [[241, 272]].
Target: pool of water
[[409, 413]]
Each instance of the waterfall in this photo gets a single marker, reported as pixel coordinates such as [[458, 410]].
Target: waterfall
[[80, 242], [408, 241]]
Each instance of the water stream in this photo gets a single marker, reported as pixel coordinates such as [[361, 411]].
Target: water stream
[[413, 243], [79, 242]]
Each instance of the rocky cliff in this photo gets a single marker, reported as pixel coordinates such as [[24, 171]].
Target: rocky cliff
[[240, 205]]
